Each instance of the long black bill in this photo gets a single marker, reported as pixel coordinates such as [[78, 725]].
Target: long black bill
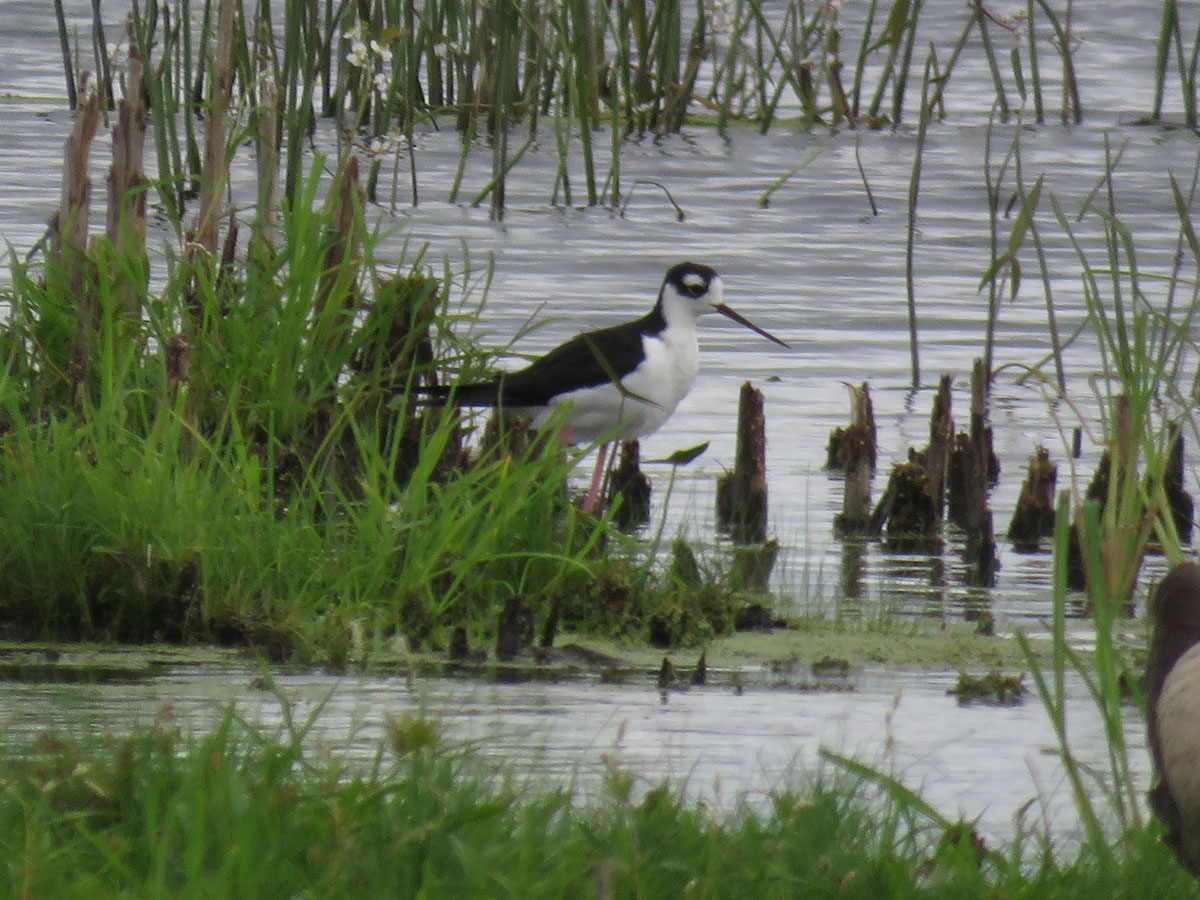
[[742, 320]]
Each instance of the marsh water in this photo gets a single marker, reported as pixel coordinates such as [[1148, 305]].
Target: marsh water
[[721, 744], [813, 265]]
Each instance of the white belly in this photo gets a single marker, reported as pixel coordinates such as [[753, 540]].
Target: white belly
[[665, 376]]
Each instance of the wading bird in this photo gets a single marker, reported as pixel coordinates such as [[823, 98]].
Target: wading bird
[[618, 383]]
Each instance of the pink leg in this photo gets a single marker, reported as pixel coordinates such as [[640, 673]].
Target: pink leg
[[593, 497]]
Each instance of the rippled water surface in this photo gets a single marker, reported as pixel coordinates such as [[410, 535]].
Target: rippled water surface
[[815, 267], [723, 744]]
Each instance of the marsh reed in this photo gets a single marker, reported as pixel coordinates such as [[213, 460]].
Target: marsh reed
[[591, 73]]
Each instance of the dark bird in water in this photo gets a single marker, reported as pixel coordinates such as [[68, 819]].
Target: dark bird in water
[[1173, 697], [620, 382]]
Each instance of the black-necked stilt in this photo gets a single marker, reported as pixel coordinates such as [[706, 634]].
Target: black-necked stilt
[[619, 382], [1173, 700]]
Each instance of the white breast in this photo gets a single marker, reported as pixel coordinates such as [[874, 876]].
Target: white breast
[[666, 375]]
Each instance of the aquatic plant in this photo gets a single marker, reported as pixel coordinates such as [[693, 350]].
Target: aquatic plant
[[505, 71]]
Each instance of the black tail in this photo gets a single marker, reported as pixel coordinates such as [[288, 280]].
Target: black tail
[[483, 393]]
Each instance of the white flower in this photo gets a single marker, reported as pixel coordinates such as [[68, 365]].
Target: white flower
[[382, 52], [358, 54], [381, 82], [384, 145], [355, 33]]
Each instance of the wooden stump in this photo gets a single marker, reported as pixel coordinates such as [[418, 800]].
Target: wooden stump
[[506, 434], [629, 483], [550, 625], [981, 431], [913, 501], [1033, 518], [969, 472], [853, 450], [1097, 490], [906, 507], [858, 439], [1178, 499], [514, 628], [937, 454], [742, 493]]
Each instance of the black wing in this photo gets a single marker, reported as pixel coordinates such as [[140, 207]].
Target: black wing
[[590, 359], [587, 360]]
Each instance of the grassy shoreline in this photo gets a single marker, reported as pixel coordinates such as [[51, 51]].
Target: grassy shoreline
[[236, 813]]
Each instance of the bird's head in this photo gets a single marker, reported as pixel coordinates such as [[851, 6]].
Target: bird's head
[[697, 288]]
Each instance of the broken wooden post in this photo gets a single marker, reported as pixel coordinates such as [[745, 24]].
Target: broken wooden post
[[514, 628], [265, 125], [459, 648], [1179, 500], [937, 455], [970, 511], [505, 434], [215, 170], [968, 476], [906, 507], [630, 484], [858, 438], [1097, 490], [550, 625], [1033, 518], [912, 503], [742, 493], [852, 450], [981, 431]]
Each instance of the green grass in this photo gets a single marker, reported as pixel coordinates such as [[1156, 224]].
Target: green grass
[[238, 813], [242, 456], [246, 460]]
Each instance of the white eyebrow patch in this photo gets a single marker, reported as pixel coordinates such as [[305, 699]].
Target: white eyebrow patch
[[693, 280]]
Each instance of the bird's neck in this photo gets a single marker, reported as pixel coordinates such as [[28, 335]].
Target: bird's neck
[[675, 312]]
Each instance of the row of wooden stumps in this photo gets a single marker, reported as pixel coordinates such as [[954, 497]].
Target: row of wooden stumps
[[948, 478]]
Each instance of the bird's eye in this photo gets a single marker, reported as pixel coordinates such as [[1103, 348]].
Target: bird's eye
[[694, 285]]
